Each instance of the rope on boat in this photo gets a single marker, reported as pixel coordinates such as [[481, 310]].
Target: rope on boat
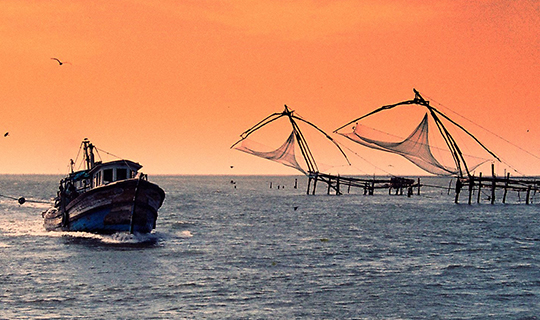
[[22, 200]]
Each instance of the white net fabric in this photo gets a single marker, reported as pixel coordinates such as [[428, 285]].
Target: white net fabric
[[285, 154], [415, 148]]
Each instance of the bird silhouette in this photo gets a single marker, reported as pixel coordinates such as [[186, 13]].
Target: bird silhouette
[[6, 134], [60, 62]]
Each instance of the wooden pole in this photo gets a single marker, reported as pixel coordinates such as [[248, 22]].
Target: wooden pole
[[315, 182], [479, 188], [458, 189], [337, 186], [506, 187], [528, 194], [418, 186], [493, 184], [471, 186], [329, 185]]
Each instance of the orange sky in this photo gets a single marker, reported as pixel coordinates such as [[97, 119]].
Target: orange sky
[[172, 84]]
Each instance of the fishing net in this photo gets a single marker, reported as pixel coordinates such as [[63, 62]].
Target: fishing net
[[285, 154], [415, 147]]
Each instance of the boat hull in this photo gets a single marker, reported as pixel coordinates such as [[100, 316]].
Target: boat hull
[[123, 206]]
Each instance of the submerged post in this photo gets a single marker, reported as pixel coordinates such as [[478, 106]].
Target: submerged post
[[471, 186], [458, 190], [506, 187], [479, 188], [493, 184], [315, 182]]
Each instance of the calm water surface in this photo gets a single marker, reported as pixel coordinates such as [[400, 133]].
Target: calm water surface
[[244, 250]]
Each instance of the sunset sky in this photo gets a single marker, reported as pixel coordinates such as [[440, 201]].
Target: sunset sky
[[172, 84]]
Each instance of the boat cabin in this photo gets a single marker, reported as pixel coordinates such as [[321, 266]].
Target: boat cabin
[[105, 173]]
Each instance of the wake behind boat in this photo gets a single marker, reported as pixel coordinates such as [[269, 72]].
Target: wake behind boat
[[105, 198]]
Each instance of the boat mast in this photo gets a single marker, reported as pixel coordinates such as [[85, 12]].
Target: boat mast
[[88, 153]]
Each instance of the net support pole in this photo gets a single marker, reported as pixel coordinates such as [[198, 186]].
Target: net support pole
[[471, 186], [459, 184], [493, 183], [315, 182], [479, 188], [506, 187]]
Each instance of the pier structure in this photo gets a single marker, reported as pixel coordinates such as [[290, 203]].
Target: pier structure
[[336, 184], [490, 185]]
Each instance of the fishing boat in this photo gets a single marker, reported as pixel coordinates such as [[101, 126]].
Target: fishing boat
[[105, 197]]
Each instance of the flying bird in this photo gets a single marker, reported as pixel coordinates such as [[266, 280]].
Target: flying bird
[[6, 134], [60, 62]]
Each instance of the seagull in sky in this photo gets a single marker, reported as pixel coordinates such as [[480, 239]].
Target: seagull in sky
[[6, 134], [60, 62]]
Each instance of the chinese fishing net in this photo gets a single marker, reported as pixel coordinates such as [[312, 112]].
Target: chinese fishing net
[[285, 154], [415, 147]]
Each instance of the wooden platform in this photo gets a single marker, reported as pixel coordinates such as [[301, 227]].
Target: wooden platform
[[493, 183], [336, 184]]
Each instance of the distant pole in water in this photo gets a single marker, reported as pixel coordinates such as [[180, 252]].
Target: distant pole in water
[[296, 183]]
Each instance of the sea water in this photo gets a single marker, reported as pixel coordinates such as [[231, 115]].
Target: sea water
[[229, 247]]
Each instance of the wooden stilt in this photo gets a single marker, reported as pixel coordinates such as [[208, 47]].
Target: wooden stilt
[[315, 182], [479, 188], [471, 186], [493, 184], [458, 190], [419, 186], [329, 185], [337, 186], [528, 195], [506, 187]]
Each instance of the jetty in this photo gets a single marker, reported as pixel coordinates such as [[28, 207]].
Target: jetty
[[337, 184]]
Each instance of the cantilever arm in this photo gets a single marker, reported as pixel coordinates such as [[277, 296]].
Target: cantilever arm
[[259, 125], [326, 135], [390, 106]]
